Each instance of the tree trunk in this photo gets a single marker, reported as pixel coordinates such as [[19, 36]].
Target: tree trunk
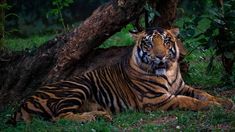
[[2, 23], [167, 11], [221, 40], [68, 54], [94, 31]]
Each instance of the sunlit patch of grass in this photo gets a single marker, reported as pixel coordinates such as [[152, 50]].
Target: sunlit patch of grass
[[20, 44], [122, 38]]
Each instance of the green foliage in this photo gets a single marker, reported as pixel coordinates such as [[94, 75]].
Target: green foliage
[[198, 67], [57, 11], [152, 13], [35, 18], [211, 28], [204, 29], [222, 19], [5, 6]]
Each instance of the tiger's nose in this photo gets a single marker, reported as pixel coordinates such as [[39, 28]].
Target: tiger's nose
[[160, 57]]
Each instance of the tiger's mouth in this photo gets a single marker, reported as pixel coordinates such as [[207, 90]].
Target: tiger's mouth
[[160, 68], [160, 65]]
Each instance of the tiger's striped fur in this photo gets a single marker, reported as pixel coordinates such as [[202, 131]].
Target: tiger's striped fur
[[149, 79]]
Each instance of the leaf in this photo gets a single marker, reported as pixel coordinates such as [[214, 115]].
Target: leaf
[[215, 12], [55, 3], [227, 7], [203, 25], [190, 32], [202, 40], [66, 4], [10, 15], [230, 13], [219, 21], [229, 19], [152, 12], [5, 6], [229, 55], [231, 25], [210, 66], [150, 17], [157, 13], [215, 32], [69, 1], [211, 43], [53, 12]]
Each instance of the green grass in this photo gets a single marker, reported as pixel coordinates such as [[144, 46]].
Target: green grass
[[21, 44], [122, 38], [215, 119]]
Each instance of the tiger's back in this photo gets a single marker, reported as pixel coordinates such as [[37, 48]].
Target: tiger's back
[[113, 89]]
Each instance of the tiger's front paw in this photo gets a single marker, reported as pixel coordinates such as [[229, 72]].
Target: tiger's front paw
[[226, 103], [91, 116]]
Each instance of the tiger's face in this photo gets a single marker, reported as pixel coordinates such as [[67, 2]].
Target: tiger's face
[[156, 50]]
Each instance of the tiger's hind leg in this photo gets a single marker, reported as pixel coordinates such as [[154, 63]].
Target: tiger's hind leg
[[84, 117], [19, 115], [204, 96], [187, 103], [88, 111]]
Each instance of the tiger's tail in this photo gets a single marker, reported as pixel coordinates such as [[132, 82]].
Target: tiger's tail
[[19, 115]]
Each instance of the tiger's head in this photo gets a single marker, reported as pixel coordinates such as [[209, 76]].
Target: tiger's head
[[156, 50]]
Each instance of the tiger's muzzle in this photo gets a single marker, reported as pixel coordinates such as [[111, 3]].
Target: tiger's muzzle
[[159, 65]]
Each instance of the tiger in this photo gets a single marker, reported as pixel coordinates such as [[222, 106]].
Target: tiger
[[148, 79]]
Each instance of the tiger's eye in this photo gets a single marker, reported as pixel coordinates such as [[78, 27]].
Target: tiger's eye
[[145, 45], [168, 44]]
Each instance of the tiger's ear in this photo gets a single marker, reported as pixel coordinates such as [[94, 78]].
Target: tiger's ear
[[182, 49], [136, 35], [175, 31]]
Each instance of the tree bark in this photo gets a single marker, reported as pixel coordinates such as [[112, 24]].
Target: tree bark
[[68, 54], [94, 31], [167, 11]]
